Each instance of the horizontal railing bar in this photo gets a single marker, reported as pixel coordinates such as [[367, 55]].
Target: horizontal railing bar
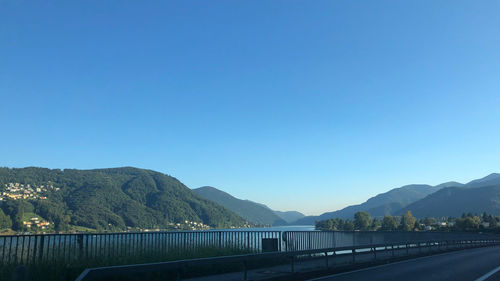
[[263, 231], [144, 232]]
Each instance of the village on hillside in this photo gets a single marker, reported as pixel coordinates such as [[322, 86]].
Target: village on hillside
[[15, 190]]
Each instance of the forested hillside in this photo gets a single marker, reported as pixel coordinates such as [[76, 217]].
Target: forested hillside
[[251, 211], [454, 201], [102, 199]]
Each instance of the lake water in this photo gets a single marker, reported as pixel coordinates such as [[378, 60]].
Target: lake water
[[274, 228]]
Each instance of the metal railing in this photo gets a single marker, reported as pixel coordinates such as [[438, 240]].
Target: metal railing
[[325, 253], [309, 240], [32, 249]]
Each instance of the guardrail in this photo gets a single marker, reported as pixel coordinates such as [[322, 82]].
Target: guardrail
[[113, 271], [33, 249], [309, 240], [70, 248]]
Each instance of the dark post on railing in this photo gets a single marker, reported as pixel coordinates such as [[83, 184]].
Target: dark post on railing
[[270, 245], [42, 240], [80, 245]]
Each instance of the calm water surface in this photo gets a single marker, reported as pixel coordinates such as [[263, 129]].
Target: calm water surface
[[274, 228]]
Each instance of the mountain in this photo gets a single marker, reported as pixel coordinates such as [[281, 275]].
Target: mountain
[[251, 211], [491, 179], [380, 205], [453, 201], [449, 184], [289, 216], [114, 198], [396, 201]]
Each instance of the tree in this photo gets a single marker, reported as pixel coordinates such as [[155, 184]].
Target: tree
[[429, 221], [348, 225], [389, 223], [362, 221], [376, 224], [407, 222], [468, 223], [5, 221]]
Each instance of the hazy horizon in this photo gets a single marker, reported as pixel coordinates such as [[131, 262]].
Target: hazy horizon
[[308, 107]]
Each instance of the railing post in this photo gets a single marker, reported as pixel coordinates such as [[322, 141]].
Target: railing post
[[4, 241], [245, 270], [220, 244], [42, 239], [280, 241], [309, 241], [292, 263], [87, 246], [79, 240], [35, 248], [179, 273], [326, 259], [353, 256]]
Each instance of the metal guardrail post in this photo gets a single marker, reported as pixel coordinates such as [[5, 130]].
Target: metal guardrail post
[[245, 270], [280, 241], [326, 259], [285, 240], [179, 273], [353, 256], [309, 241], [35, 249], [292, 263], [79, 240], [42, 239]]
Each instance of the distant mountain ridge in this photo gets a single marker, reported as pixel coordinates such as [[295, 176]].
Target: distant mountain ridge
[[253, 212], [454, 201], [491, 179], [289, 216], [379, 205], [396, 200]]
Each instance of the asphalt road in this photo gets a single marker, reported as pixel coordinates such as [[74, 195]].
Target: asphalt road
[[465, 265]]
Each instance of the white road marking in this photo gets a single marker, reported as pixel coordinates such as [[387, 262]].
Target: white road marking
[[487, 275], [378, 266], [398, 262]]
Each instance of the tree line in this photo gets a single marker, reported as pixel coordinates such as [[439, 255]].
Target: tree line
[[362, 221]]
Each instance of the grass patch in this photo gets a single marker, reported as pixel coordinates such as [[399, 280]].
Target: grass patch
[[80, 229], [29, 215]]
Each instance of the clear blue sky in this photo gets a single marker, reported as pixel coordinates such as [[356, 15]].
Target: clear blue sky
[[301, 105]]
